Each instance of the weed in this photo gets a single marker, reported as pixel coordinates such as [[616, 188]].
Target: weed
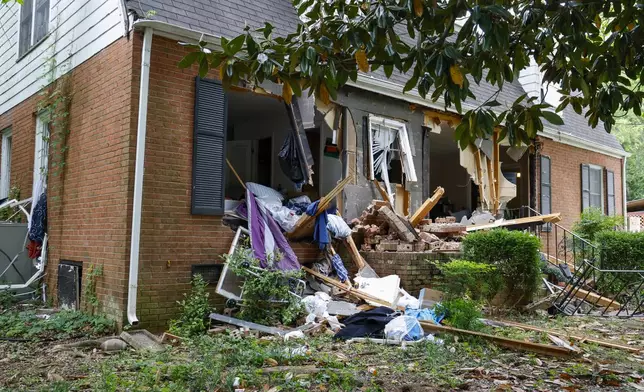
[[89, 292], [62, 325], [194, 310], [7, 299], [461, 313]]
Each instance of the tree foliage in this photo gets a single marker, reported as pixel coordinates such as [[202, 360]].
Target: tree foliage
[[629, 130], [592, 63]]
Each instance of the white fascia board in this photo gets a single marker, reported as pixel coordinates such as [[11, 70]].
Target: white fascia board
[[178, 33]]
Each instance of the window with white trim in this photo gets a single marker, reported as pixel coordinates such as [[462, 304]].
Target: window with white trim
[[41, 155], [34, 24], [592, 194], [389, 144], [5, 164]]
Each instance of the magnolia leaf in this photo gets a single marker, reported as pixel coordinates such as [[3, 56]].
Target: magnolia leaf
[[287, 92], [361, 60], [323, 93], [418, 8], [456, 75], [190, 59], [552, 118]]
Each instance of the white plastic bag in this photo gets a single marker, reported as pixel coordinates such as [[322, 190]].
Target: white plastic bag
[[338, 227], [404, 328]]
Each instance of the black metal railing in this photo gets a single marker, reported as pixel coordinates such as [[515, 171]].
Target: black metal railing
[[589, 289]]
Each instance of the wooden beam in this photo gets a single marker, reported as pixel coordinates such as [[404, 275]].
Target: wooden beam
[[383, 192], [497, 170], [490, 180], [580, 338], [554, 218], [479, 172], [355, 254], [426, 207], [593, 298], [431, 116], [304, 225], [230, 165], [348, 289], [513, 344]]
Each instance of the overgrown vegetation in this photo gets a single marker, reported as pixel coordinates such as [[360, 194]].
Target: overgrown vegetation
[[89, 292], [195, 308], [620, 250], [9, 214], [477, 281], [593, 221], [61, 325], [267, 294], [461, 313], [515, 255]]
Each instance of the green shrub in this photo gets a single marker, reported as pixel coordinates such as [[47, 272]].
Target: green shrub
[[515, 254], [266, 297], [619, 250], [593, 221], [194, 310], [65, 324], [461, 313], [468, 278]]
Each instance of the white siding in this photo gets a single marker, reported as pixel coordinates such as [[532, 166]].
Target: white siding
[[78, 29]]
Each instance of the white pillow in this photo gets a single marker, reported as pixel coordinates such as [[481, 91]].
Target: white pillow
[[263, 192]]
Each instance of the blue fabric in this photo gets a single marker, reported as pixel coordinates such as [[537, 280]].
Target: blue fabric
[[39, 219], [320, 235], [339, 268], [424, 314]]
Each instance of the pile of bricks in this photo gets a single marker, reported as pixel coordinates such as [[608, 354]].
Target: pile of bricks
[[383, 230]]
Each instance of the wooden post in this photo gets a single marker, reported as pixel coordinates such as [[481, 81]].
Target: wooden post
[[490, 180], [479, 172], [383, 192], [497, 170], [230, 165], [426, 207]]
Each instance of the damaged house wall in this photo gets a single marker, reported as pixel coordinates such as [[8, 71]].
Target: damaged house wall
[[361, 104]]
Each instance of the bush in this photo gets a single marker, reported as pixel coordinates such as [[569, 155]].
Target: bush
[[515, 254], [467, 278], [593, 221], [461, 313], [619, 250], [194, 310], [266, 293]]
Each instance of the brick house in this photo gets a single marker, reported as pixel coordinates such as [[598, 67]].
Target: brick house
[[148, 209]]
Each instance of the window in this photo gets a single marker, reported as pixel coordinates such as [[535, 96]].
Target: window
[[41, 155], [5, 164], [610, 192], [546, 189], [34, 24], [591, 187], [389, 148]]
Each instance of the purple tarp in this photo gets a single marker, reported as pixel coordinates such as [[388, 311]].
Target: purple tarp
[[266, 236]]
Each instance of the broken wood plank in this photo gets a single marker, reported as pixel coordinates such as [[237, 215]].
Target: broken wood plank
[[497, 170], [230, 165], [396, 223], [479, 173], [247, 324], [513, 344], [426, 207], [382, 192], [355, 254], [348, 289], [580, 338], [304, 225], [593, 298], [543, 303], [538, 219]]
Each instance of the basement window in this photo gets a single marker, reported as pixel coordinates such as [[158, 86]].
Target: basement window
[[390, 154]]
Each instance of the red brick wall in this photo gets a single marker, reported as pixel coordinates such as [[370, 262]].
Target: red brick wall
[[565, 174], [172, 239], [88, 202]]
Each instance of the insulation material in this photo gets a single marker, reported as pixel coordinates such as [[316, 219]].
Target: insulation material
[[508, 190]]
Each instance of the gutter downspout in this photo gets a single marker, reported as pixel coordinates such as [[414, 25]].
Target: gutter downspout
[[624, 207], [138, 177]]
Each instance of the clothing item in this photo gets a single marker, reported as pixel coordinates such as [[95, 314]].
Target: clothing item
[[39, 219], [289, 159], [367, 324], [320, 235], [338, 227], [266, 237], [338, 265]]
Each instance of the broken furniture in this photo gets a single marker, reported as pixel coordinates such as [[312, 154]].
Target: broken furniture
[[142, 340]]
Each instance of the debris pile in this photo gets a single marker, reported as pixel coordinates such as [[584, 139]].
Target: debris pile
[[382, 230]]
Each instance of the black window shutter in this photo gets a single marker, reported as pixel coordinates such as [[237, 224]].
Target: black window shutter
[[585, 186], [610, 192], [209, 148]]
